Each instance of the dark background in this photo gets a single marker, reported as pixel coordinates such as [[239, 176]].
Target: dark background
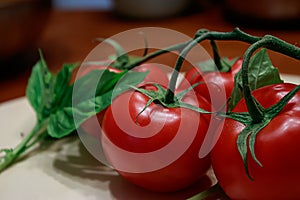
[[65, 30]]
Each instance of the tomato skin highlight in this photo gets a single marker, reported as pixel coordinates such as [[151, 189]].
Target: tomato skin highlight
[[157, 75], [184, 170], [277, 148]]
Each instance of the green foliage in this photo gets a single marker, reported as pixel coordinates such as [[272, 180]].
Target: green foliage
[[261, 72]]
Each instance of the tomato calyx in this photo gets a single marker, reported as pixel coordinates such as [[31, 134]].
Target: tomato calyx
[[248, 135], [159, 96], [258, 117]]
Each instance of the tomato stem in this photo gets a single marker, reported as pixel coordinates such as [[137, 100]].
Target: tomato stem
[[12, 154], [154, 54], [201, 35], [255, 110], [236, 35], [281, 46], [217, 59], [169, 98]]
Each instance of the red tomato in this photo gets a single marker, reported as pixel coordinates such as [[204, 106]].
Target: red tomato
[[157, 75], [215, 84], [189, 78], [276, 147], [158, 150], [192, 74]]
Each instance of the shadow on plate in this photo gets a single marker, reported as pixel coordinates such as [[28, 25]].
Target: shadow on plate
[[72, 159]]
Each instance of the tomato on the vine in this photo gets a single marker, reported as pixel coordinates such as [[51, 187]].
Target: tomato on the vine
[[214, 81], [155, 74], [213, 84], [276, 147], [156, 148]]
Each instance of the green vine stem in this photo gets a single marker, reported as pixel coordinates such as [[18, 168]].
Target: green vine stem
[[217, 59], [12, 154], [176, 47], [185, 47], [257, 117], [201, 35], [169, 98], [255, 110]]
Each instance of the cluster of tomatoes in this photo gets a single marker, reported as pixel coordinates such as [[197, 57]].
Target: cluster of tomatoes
[[157, 147]]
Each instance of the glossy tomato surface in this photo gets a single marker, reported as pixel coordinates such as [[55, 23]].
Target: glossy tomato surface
[[277, 147], [158, 148]]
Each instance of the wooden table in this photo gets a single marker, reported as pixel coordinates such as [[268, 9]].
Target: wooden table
[[69, 37]]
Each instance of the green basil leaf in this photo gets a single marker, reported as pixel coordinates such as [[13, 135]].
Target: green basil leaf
[[63, 89], [131, 78], [48, 92], [261, 72], [210, 66], [68, 119], [95, 83], [40, 89]]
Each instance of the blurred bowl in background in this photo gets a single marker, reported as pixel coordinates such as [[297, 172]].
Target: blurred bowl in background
[[149, 9], [21, 23], [274, 14]]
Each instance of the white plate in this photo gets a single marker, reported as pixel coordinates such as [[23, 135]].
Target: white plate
[[65, 171]]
